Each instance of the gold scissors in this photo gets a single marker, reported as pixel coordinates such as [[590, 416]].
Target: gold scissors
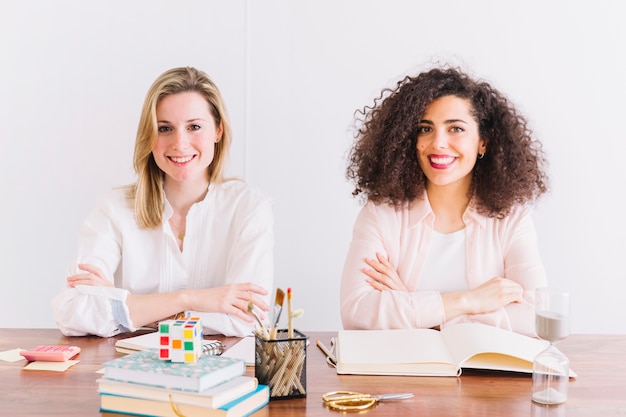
[[356, 401]]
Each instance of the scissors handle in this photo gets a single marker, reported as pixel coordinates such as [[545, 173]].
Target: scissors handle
[[354, 404], [343, 395], [348, 400]]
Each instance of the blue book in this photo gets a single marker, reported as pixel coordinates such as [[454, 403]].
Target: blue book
[[145, 367], [241, 407]]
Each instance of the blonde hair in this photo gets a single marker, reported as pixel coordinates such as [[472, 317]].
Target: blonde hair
[[146, 195]]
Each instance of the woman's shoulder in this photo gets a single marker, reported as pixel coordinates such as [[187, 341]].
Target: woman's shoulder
[[517, 215], [237, 191], [522, 209], [115, 200], [518, 212], [112, 204], [417, 208], [114, 196], [383, 212]]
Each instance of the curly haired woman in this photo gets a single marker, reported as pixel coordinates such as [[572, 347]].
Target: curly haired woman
[[449, 172]]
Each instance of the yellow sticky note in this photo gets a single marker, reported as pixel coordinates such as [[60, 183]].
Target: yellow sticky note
[[49, 366], [12, 355]]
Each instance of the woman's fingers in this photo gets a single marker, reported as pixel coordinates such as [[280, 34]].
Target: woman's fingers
[[496, 293], [231, 299], [382, 275], [92, 276]]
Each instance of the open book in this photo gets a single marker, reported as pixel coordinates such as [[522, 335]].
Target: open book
[[428, 352]]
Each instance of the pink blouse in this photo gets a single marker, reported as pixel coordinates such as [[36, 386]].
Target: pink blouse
[[494, 248]]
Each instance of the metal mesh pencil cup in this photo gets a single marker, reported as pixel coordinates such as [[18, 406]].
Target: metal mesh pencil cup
[[281, 364]]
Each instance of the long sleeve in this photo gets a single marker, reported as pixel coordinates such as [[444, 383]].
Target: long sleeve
[[523, 264], [494, 248], [229, 239], [382, 229], [505, 248], [89, 309]]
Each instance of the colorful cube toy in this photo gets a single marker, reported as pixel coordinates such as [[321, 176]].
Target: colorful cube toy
[[180, 340]]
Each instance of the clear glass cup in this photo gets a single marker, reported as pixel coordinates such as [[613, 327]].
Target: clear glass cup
[[551, 367], [543, 410]]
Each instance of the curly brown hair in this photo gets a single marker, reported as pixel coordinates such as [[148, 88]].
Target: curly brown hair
[[383, 161]]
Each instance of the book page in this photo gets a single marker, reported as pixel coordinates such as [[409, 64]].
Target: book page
[[243, 349], [479, 346], [409, 351], [141, 342]]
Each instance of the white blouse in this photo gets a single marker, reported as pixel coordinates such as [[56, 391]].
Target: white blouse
[[444, 266], [229, 239]]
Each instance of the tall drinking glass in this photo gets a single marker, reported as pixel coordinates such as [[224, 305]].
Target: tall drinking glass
[[551, 367]]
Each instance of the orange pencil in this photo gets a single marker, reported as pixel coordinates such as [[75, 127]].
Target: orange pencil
[[289, 315]]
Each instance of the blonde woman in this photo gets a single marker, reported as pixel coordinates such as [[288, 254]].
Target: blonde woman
[[182, 238]]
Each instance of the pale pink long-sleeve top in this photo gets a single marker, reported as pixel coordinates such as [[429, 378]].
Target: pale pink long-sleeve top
[[494, 248]]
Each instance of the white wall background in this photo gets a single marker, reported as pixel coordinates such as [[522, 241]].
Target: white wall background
[[74, 74]]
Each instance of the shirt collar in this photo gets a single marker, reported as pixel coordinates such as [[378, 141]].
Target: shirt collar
[[168, 210], [421, 211]]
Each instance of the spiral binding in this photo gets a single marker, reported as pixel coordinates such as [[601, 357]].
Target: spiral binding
[[214, 347]]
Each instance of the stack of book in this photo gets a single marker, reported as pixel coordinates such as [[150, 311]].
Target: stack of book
[[214, 386]]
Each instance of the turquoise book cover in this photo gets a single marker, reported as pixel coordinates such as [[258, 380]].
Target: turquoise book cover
[[145, 367], [243, 406]]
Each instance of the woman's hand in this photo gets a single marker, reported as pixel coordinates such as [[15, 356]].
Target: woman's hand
[[382, 275], [93, 276], [490, 296], [231, 299], [496, 293]]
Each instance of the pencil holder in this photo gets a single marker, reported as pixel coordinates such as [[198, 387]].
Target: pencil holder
[[281, 364]]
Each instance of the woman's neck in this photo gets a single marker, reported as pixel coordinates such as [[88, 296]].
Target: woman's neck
[[181, 195], [448, 202]]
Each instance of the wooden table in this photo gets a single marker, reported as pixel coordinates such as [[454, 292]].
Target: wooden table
[[599, 390]]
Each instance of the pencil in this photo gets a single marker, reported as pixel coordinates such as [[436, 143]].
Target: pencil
[[289, 315], [326, 352]]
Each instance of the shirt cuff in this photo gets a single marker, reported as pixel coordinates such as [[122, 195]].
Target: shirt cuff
[[430, 312], [121, 316], [119, 309]]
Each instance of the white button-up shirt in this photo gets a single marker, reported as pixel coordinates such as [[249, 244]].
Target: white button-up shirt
[[229, 239]]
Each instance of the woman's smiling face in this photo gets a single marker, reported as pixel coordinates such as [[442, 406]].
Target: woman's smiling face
[[185, 145], [448, 142]]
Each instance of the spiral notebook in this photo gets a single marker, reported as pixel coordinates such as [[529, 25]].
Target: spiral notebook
[[151, 341]]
